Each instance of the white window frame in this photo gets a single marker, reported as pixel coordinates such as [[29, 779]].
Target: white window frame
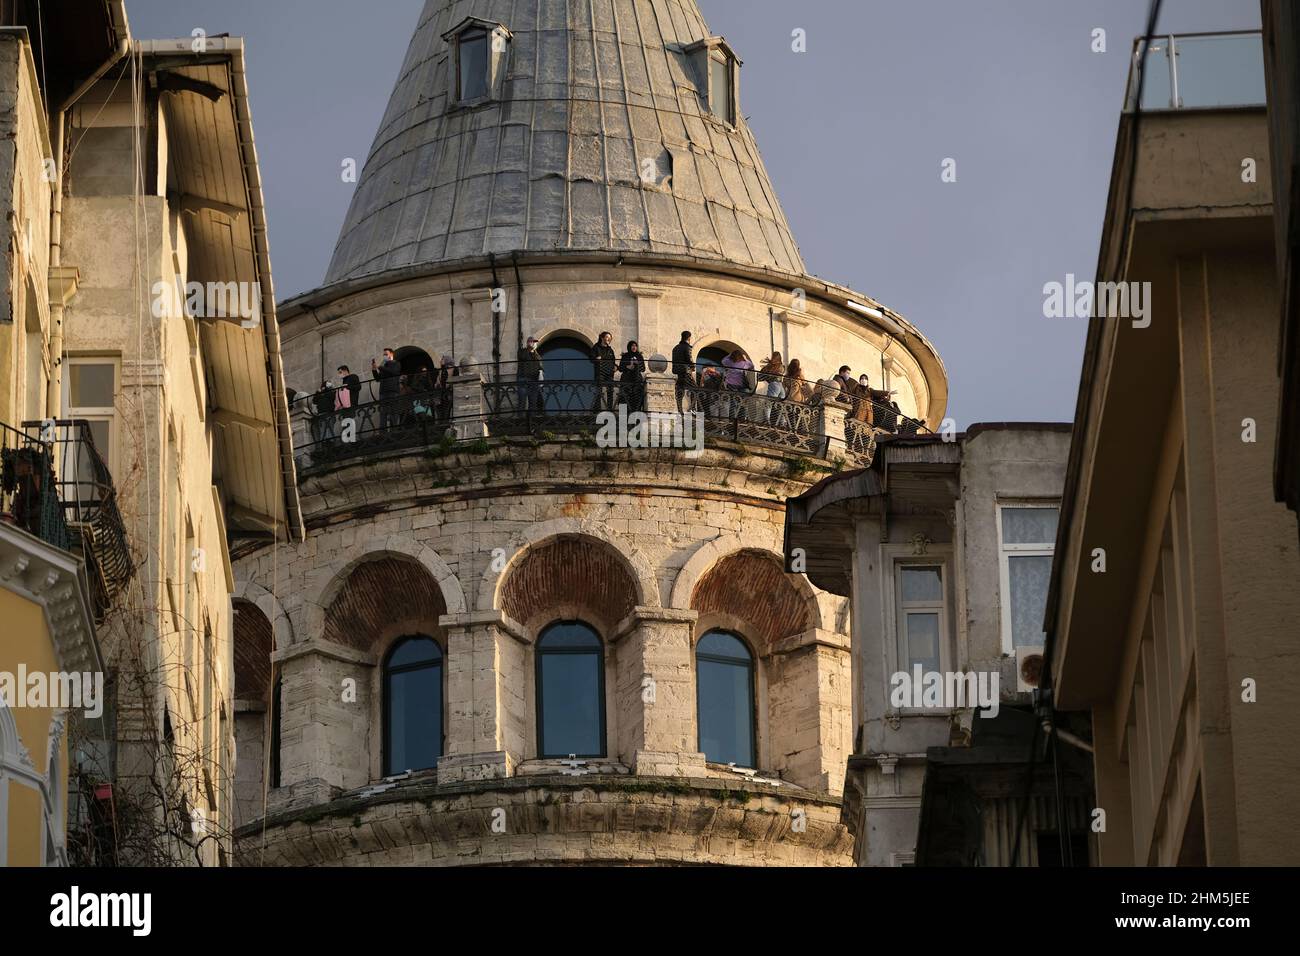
[[893, 559], [95, 413], [1005, 552]]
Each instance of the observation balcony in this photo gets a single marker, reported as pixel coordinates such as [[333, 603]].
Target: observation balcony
[[476, 404]]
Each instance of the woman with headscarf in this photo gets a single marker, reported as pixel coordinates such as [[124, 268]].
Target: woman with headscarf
[[632, 380]]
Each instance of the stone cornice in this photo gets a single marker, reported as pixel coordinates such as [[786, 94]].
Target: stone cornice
[[54, 579]]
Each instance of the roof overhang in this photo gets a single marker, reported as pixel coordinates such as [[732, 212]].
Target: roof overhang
[[913, 475], [204, 96]]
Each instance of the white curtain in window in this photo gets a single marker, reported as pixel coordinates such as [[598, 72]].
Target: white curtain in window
[[1029, 576]]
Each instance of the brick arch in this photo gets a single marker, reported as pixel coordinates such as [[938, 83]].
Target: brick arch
[[568, 574], [380, 598], [253, 593], [325, 582], [751, 586], [254, 644], [634, 563]]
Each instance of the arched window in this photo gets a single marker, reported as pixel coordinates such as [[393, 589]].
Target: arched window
[[725, 699], [412, 705], [570, 691], [712, 356]]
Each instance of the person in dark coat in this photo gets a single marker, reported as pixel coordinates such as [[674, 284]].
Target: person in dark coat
[[683, 368], [352, 383], [529, 372], [323, 421], [632, 365], [604, 360], [389, 377]]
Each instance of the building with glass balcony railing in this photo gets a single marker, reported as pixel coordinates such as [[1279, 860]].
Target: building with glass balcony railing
[[1172, 609]]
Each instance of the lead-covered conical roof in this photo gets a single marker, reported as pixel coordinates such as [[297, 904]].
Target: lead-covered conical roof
[[592, 90]]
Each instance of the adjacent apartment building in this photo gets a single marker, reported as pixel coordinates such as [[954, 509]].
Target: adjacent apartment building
[[944, 547], [160, 354], [1174, 599]]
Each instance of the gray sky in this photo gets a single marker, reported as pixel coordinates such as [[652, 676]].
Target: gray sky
[[853, 133]]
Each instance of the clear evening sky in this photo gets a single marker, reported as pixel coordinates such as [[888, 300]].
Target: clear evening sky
[[853, 133]]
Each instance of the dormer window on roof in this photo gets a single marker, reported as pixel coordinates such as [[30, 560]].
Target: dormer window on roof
[[717, 71], [477, 71]]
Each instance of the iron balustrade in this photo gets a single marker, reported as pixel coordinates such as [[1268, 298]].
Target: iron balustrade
[[28, 495], [87, 501], [490, 401]]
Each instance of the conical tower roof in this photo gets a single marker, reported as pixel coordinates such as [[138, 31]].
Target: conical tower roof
[[597, 135]]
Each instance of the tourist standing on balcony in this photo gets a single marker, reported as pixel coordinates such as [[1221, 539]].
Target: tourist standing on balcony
[[323, 422], [798, 416], [845, 380], [605, 360], [737, 373], [683, 368], [389, 377], [352, 383], [530, 373], [442, 385], [771, 380], [632, 365]]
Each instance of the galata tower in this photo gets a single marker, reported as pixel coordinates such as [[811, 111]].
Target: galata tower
[[541, 616]]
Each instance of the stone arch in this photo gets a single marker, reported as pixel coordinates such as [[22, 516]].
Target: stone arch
[[250, 592], [638, 567], [713, 553], [331, 578], [566, 332]]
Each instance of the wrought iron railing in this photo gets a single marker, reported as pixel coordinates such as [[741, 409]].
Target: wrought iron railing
[[28, 495], [342, 424], [87, 499]]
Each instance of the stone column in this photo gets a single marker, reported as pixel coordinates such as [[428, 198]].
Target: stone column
[[647, 317], [655, 687], [834, 412], [467, 407], [809, 718], [325, 720], [488, 678]]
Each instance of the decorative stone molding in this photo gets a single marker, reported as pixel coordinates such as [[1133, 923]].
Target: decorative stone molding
[[54, 579]]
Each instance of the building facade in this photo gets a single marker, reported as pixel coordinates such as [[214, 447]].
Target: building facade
[[47, 604], [1174, 601], [157, 348], [944, 549], [505, 639]]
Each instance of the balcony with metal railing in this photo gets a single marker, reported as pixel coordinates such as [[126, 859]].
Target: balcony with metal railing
[[339, 426], [55, 485]]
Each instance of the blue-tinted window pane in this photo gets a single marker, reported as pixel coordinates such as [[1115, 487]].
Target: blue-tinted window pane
[[718, 644], [473, 65], [414, 719], [726, 712], [567, 360], [570, 689], [1219, 71], [417, 650], [569, 636]]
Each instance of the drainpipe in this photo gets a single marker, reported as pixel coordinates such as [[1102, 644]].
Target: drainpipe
[[54, 396]]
